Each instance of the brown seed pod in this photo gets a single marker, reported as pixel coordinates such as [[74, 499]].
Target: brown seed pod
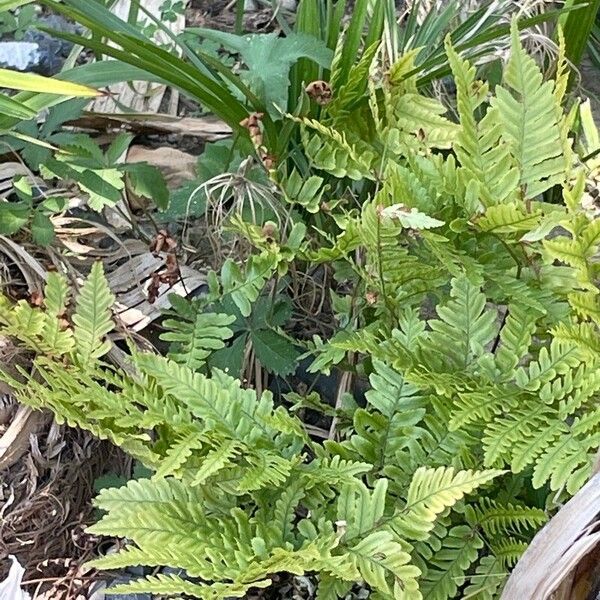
[[320, 92], [371, 297], [252, 124]]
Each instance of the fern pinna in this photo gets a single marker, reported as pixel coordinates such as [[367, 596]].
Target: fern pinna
[[474, 306]]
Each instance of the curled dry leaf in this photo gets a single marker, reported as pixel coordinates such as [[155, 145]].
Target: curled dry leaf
[[131, 281], [253, 124], [320, 92]]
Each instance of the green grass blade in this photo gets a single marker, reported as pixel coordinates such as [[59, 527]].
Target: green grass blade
[[13, 108], [577, 28]]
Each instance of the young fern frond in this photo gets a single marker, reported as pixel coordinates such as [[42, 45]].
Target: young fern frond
[[446, 570], [480, 149], [463, 329], [93, 318], [497, 519], [431, 492], [194, 334], [529, 118]]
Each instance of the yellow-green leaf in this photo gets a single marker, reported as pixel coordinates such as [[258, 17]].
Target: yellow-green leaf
[[12, 4], [29, 82]]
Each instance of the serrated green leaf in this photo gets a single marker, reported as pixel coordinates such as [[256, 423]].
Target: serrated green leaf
[[42, 230], [275, 352], [13, 216], [149, 182]]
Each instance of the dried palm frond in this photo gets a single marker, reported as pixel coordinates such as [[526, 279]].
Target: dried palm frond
[[551, 569]]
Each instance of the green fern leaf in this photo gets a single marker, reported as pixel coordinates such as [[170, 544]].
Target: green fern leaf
[[479, 147], [431, 492], [586, 336], [92, 318], [196, 334], [245, 288], [508, 218], [516, 336], [56, 294], [178, 453], [385, 566], [529, 121], [463, 329], [446, 571], [504, 519], [586, 304], [488, 577], [330, 150], [173, 585], [568, 461], [215, 461]]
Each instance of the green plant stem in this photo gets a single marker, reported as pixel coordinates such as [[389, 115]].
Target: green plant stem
[[239, 17]]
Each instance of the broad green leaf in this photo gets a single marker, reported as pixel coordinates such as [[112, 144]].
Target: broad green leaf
[[42, 230], [148, 181], [275, 352], [13, 216], [269, 58]]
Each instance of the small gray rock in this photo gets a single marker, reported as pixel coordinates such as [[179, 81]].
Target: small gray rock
[[254, 5], [39, 52], [20, 56]]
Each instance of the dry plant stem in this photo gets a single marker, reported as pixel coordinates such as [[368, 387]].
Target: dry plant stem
[[344, 387], [258, 377]]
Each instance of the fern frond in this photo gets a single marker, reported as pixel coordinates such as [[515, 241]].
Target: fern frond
[[586, 336], [196, 334], [482, 404], [508, 551], [56, 294], [508, 218], [245, 287], [488, 577], [329, 149], [430, 493], [332, 588], [307, 192], [178, 454], [217, 459], [519, 436], [462, 330], [446, 570], [391, 394], [516, 336], [334, 471], [266, 469], [92, 318], [557, 359], [174, 585], [530, 121], [503, 519], [568, 460], [359, 509], [385, 565], [421, 118], [479, 147], [586, 304], [356, 84], [56, 339]]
